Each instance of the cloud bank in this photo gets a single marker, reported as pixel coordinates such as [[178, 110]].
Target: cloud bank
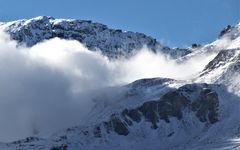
[[48, 86]]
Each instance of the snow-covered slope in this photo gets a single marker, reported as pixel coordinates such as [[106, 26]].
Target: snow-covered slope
[[111, 42], [193, 116], [157, 113], [225, 67], [226, 61], [229, 38]]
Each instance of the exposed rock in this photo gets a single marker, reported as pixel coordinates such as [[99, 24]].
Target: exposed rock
[[150, 112], [113, 43], [62, 147], [133, 114], [117, 125], [194, 45], [199, 99], [227, 29], [171, 105], [207, 106], [223, 57]]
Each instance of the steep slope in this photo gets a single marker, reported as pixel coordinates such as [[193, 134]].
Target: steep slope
[[112, 43], [225, 67], [229, 38]]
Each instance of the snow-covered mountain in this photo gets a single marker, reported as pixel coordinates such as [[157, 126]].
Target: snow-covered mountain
[[228, 39], [155, 113], [111, 42], [224, 68], [192, 116]]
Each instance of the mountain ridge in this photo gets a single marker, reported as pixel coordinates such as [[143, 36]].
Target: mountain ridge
[[159, 113], [113, 43]]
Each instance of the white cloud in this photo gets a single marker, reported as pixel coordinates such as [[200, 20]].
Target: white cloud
[[47, 86]]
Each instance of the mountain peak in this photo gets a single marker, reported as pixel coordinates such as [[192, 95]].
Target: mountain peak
[[112, 43], [230, 31], [95, 36]]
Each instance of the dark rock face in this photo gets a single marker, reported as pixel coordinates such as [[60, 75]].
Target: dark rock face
[[171, 105], [207, 107], [227, 29], [198, 99], [132, 114], [62, 147], [194, 45], [117, 125], [150, 112]]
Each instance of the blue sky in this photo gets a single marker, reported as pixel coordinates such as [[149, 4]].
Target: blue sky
[[172, 22]]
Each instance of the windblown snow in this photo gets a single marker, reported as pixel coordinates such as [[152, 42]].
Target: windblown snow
[[74, 84]]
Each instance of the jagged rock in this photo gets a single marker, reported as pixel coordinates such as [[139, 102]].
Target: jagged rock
[[133, 114], [204, 104], [222, 58], [150, 112], [171, 105], [95, 36], [62, 147], [117, 125], [227, 29], [207, 106], [196, 45]]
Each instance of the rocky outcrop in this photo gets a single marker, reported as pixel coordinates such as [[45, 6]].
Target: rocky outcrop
[[227, 29], [206, 107], [222, 60], [198, 99]]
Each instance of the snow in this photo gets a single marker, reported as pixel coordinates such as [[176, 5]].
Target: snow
[[221, 74], [95, 36], [113, 43]]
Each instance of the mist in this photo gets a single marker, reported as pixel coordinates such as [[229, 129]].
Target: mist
[[48, 87]]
